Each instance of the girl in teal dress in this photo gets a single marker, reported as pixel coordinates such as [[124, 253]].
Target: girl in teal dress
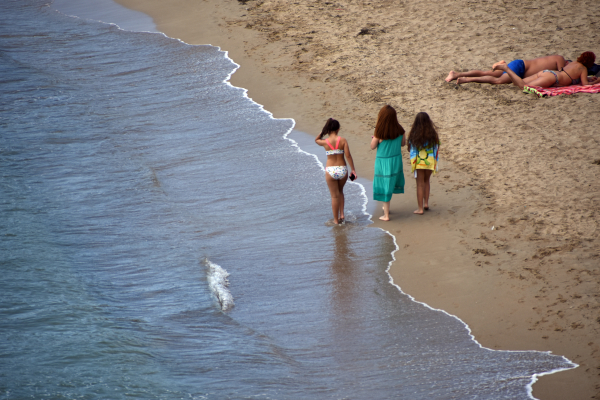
[[389, 176]]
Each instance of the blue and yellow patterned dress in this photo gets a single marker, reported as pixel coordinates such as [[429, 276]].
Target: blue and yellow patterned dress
[[424, 158]]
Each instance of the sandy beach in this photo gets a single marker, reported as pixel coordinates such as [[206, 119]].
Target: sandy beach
[[511, 245]]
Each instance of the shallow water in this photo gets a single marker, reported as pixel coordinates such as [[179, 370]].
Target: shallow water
[[162, 238]]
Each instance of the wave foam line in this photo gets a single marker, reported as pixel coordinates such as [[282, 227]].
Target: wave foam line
[[534, 377], [218, 283]]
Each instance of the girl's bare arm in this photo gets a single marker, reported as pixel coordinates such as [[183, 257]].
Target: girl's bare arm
[[349, 157], [374, 142]]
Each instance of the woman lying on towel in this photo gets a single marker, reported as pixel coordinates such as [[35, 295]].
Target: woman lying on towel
[[574, 73]]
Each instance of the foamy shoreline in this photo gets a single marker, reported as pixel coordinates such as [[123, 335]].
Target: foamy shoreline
[[454, 278]]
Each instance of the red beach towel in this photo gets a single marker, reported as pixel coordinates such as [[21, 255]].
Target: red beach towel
[[555, 91]]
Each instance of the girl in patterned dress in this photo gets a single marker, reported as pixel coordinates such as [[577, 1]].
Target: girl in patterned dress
[[423, 143]]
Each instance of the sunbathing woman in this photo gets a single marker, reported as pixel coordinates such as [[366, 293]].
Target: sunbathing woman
[[336, 171], [572, 74], [523, 68]]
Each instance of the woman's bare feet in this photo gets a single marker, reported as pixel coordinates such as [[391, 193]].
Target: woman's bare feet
[[384, 218], [419, 212], [451, 76], [500, 65]]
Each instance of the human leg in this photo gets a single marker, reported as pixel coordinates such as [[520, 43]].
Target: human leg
[[420, 191], [473, 73], [386, 211], [341, 184], [492, 80], [516, 80], [334, 190], [426, 189]]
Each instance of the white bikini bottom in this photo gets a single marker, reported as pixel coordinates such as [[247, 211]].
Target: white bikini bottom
[[338, 172]]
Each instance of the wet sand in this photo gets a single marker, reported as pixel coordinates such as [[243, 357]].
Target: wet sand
[[525, 166]]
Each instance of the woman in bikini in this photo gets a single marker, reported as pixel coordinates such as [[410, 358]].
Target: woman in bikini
[[336, 171], [573, 73]]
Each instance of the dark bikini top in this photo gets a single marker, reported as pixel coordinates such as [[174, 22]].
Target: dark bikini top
[[573, 81]]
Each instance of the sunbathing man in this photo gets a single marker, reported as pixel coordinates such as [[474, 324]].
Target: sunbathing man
[[523, 68], [574, 73]]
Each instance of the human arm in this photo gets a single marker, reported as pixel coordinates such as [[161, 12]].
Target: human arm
[[403, 141], [560, 63], [584, 78], [349, 158], [582, 74], [592, 80], [374, 142]]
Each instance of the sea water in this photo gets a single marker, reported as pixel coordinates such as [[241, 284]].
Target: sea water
[[162, 237]]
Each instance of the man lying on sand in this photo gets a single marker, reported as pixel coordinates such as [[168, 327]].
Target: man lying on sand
[[523, 68], [574, 73]]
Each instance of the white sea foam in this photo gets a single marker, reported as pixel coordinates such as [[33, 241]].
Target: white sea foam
[[218, 283], [534, 377]]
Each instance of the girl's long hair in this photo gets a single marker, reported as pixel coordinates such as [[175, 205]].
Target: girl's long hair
[[330, 126], [388, 127], [423, 132]]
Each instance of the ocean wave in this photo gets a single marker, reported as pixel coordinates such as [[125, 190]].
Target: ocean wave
[[218, 283]]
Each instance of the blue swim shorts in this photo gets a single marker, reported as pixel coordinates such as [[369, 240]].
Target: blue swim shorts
[[518, 67]]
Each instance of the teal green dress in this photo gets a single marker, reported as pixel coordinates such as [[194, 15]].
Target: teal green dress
[[389, 175]]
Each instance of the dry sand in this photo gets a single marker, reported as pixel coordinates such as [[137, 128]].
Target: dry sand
[[527, 167]]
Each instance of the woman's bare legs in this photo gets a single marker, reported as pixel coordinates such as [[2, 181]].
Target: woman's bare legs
[[386, 211], [541, 79], [492, 80], [336, 189], [474, 73], [423, 188], [341, 184], [516, 79]]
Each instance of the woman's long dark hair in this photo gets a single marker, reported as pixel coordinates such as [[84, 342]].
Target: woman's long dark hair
[[423, 132], [388, 127], [330, 126]]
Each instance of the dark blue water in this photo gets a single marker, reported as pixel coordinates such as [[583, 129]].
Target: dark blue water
[[161, 238]]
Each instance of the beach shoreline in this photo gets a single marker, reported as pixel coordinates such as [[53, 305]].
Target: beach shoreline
[[521, 270]]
